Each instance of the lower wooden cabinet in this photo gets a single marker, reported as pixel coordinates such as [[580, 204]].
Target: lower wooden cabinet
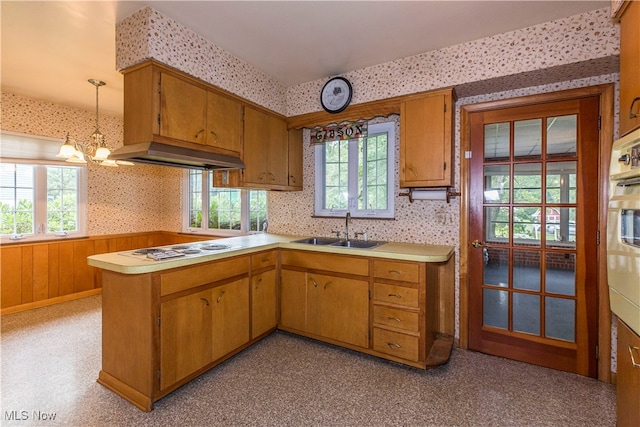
[[628, 377], [264, 316]]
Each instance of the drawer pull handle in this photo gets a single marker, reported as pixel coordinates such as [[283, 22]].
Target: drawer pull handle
[[197, 135], [633, 115], [206, 301], [215, 137], [315, 284], [261, 176], [413, 171], [395, 272], [327, 284], [633, 359], [220, 297], [266, 259], [395, 295], [394, 318], [393, 345], [258, 284]]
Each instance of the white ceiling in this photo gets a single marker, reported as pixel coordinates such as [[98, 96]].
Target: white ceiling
[[51, 48]]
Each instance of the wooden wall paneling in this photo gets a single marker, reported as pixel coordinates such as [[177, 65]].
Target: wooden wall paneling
[[65, 268], [122, 244], [11, 276], [82, 272], [54, 269], [27, 274], [40, 272], [138, 242], [101, 246]]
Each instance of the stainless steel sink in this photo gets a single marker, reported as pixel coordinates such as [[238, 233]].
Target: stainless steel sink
[[357, 244], [317, 241]]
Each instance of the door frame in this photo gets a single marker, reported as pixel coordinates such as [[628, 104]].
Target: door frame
[[605, 92]]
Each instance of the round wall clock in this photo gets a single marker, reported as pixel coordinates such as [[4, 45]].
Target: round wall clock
[[336, 95]]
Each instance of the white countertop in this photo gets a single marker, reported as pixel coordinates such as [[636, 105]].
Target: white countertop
[[120, 263]]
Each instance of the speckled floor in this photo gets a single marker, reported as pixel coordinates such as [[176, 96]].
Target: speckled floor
[[51, 358]]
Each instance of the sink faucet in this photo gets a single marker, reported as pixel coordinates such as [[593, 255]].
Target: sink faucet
[[346, 232]]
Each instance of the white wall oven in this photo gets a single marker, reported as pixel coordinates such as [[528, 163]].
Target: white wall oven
[[623, 230]]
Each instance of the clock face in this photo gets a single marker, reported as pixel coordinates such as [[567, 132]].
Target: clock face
[[336, 95]]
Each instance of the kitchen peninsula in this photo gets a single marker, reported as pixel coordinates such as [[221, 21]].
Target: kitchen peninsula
[[166, 322]]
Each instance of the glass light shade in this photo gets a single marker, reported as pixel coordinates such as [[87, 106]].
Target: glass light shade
[[125, 163], [102, 154], [77, 157], [66, 150]]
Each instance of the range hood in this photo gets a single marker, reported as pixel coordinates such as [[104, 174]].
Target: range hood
[[156, 153]]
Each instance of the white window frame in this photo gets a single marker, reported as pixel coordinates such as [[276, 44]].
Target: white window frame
[[387, 127], [40, 203], [204, 229]]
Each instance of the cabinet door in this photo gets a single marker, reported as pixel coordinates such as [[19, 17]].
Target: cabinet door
[[293, 299], [185, 336], [230, 317], [265, 149], [340, 307], [183, 110], [628, 387], [263, 303], [224, 123], [295, 159], [425, 142], [629, 66]]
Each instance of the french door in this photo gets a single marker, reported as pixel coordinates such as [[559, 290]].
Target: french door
[[533, 229]]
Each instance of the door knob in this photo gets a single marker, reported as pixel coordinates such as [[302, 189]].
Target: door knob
[[477, 244]]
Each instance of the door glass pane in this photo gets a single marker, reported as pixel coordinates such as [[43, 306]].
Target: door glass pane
[[496, 184], [561, 182], [526, 313], [527, 183], [526, 226], [496, 142], [496, 266], [496, 224], [526, 270], [560, 276], [560, 318], [527, 139], [561, 227], [562, 136], [495, 308]]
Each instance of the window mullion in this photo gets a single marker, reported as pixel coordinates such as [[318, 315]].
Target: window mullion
[[40, 200], [205, 199], [352, 204]]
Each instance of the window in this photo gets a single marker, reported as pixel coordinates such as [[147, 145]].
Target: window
[[357, 175], [42, 201], [225, 211]]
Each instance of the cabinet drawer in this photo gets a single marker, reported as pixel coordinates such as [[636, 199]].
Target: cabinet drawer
[[396, 318], [393, 270], [396, 344], [395, 294], [262, 260], [328, 262], [175, 281]]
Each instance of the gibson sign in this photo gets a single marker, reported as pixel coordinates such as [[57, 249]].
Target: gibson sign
[[342, 131]]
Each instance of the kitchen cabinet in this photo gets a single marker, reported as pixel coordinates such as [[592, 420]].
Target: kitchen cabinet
[[264, 313], [265, 150], [426, 139], [628, 377], [324, 302], [164, 105], [295, 151], [162, 329], [629, 67]]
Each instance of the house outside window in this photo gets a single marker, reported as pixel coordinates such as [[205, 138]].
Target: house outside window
[[357, 175], [222, 211]]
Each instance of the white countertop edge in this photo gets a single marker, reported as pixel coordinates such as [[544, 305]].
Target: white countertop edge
[[115, 262]]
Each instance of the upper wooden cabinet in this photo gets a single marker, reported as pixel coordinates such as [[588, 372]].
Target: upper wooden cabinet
[[295, 159], [629, 66], [166, 106], [426, 143], [265, 150]]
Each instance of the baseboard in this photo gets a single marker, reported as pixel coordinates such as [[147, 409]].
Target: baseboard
[[49, 301]]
